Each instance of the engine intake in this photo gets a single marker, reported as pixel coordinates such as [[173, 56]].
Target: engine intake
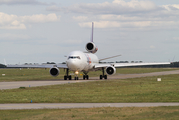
[[91, 47], [110, 70], [54, 71]]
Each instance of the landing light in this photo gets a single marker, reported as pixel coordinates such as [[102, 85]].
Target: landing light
[[76, 72]]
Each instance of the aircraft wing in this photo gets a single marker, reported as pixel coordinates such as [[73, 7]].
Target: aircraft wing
[[128, 64], [38, 66]]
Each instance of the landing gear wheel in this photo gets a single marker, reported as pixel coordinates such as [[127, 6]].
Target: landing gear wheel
[[65, 77], [105, 76], [76, 78], [85, 77], [69, 77], [100, 77]]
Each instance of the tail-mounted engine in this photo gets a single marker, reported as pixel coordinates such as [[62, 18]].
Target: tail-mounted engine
[[54, 71], [110, 70], [91, 47]]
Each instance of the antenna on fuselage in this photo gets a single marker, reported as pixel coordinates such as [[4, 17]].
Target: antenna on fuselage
[[92, 32]]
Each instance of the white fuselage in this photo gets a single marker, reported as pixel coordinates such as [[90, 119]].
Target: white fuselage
[[79, 61]]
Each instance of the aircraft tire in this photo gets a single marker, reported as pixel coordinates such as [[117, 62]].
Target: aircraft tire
[[100, 77], [105, 76], [84, 77], [65, 77], [69, 77], [87, 77]]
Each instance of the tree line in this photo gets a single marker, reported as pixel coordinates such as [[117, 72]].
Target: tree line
[[2, 66]]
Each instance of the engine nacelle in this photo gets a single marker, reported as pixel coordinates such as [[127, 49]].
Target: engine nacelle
[[91, 47], [54, 71], [110, 70]]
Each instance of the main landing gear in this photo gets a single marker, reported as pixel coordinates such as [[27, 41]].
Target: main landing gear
[[67, 76], [102, 76], [85, 75]]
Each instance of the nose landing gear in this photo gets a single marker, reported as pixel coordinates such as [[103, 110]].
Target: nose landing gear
[[76, 73]]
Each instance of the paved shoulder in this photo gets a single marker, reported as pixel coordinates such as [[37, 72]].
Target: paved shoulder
[[13, 85]]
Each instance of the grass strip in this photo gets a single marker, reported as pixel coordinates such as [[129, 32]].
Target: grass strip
[[43, 74], [133, 113], [109, 91]]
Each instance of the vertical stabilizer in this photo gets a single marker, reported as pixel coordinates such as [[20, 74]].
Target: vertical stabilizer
[[92, 32], [5, 62], [90, 46]]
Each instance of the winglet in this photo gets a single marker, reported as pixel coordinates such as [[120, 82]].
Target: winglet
[[92, 32]]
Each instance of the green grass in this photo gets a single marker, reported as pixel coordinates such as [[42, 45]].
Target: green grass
[[109, 91], [27, 74], [129, 90], [151, 113], [43, 74]]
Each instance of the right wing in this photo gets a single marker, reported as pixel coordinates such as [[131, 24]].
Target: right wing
[[102, 65], [38, 66]]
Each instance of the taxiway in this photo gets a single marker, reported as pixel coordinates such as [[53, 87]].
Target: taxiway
[[13, 85]]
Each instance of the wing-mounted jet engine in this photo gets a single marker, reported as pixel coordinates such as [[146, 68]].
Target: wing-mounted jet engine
[[54, 71], [91, 47], [110, 70]]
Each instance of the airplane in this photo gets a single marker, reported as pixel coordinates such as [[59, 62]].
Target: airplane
[[78, 61]]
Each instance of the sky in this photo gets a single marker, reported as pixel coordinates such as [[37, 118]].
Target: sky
[[40, 31]]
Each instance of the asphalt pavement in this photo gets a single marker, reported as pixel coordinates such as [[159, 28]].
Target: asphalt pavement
[[79, 105]]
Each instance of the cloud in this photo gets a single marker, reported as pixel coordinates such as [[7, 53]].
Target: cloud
[[10, 22], [114, 24], [80, 18], [116, 7], [40, 18], [19, 22], [9, 36], [133, 14], [15, 2]]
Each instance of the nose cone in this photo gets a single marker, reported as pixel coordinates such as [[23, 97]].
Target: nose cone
[[74, 65]]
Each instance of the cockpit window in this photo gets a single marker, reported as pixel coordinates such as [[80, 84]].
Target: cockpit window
[[74, 57]]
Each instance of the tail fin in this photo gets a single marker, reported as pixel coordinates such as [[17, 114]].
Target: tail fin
[[5, 62], [92, 32]]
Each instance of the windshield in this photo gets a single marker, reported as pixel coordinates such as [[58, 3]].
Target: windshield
[[74, 57]]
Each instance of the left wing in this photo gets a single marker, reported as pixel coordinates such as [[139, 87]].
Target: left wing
[[38, 66], [128, 64]]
